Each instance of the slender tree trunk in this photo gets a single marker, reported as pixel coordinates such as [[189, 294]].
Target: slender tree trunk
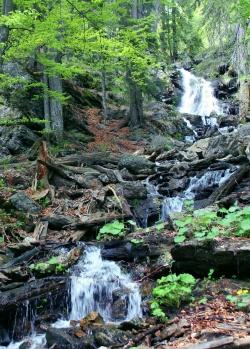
[[244, 97], [104, 94], [240, 59], [135, 101], [157, 10], [134, 91], [56, 109], [46, 106], [7, 7], [174, 29]]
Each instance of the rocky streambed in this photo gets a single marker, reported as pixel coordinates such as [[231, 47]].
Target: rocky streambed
[[62, 288]]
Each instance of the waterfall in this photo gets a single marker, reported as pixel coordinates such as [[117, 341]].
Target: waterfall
[[96, 285], [196, 186], [198, 98]]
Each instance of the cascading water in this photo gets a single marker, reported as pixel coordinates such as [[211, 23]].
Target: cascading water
[[96, 285], [198, 98], [197, 185]]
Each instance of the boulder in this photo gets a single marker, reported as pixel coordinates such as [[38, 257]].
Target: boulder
[[17, 139], [109, 336], [4, 336], [64, 338], [22, 202], [136, 164], [225, 256], [134, 190], [58, 221], [223, 68]]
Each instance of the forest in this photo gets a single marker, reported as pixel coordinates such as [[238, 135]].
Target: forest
[[124, 174]]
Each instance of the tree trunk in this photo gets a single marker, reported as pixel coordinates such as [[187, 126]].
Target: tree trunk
[[104, 94], [174, 29], [240, 61], [7, 6], [244, 97], [56, 110], [4, 32], [46, 107], [157, 10], [135, 101], [134, 91]]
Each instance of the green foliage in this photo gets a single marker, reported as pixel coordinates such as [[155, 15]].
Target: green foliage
[[160, 226], [111, 230], [2, 183], [137, 241], [50, 266], [170, 291], [207, 224], [9, 224], [56, 149], [241, 299], [21, 121]]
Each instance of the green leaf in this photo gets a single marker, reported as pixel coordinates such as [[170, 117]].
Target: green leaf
[[245, 224], [160, 226], [179, 239]]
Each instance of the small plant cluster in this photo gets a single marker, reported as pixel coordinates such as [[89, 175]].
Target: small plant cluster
[[208, 224], [170, 291], [9, 224], [51, 266], [117, 229], [241, 299], [111, 230]]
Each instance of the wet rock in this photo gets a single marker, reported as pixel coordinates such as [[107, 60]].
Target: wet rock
[[179, 170], [58, 221], [4, 152], [109, 335], [60, 338], [177, 184], [134, 190], [223, 68], [4, 336], [17, 139], [92, 318], [136, 164], [228, 257], [25, 345], [22, 202]]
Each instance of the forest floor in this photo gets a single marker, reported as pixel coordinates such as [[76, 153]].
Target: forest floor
[[72, 208]]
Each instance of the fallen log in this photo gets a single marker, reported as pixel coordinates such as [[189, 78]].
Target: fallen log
[[226, 256], [24, 258], [218, 343], [226, 187], [97, 158], [32, 290]]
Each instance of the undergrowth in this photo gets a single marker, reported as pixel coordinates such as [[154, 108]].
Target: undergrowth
[[208, 224], [171, 291]]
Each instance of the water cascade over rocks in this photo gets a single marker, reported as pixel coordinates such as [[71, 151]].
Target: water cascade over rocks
[[198, 98], [96, 285], [196, 186]]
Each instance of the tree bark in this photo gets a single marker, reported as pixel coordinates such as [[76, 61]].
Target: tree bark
[[134, 90], [135, 101], [56, 110], [104, 94], [174, 29], [4, 31], [244, 97]]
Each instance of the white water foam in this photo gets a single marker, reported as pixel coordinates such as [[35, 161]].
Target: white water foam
[[199, 99], [196, 185], [96, 285]]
